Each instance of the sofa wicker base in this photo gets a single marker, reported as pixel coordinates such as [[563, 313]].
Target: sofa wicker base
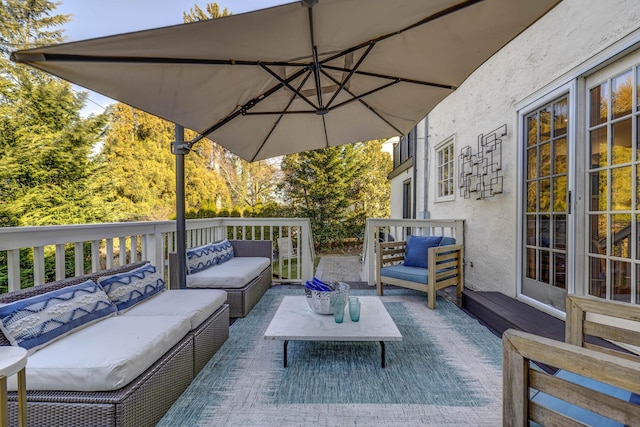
[[242, 300], [142, 402]]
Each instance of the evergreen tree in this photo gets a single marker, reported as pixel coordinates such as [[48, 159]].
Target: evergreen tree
[[46, 172]]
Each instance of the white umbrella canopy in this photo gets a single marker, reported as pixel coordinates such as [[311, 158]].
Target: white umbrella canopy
[[300, 76]]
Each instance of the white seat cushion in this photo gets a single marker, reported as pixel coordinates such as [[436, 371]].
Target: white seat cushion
[[105, 356], [196, 304], [232, 274]]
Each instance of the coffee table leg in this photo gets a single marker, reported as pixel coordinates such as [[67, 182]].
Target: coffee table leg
[[382, 360], [286, 343]]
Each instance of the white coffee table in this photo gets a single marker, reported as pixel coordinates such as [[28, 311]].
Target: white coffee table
[[295, 321]]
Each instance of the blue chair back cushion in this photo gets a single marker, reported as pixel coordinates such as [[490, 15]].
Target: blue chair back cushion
[[417, 250]]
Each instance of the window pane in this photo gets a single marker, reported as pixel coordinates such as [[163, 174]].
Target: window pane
[[638, 242], [545, 195], [598, 190], [532, 163], [620, 236], [621, 95], [532, 130], [621, 141], [545, 124], [559, 271], [621, 280], [597, 278], [560, 117], [598, 147], [532, 188], [545, 232], [560, 231], [545, 159], [598, 105], [560, 194], [560, 156], [621, 179]]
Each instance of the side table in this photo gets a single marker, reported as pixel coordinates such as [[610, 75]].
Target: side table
[[13, 361]]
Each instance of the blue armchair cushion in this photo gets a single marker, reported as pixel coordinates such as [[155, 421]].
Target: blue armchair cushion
[[417, 250], [34, 322]]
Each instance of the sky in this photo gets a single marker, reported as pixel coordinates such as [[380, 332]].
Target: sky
[[97, 18]]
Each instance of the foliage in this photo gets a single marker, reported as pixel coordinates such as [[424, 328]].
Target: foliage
[[46, 172]]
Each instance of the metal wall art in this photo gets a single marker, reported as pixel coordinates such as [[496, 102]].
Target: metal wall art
[[481, 172]]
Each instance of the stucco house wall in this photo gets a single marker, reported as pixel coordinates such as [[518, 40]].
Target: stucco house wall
[[569, 35]]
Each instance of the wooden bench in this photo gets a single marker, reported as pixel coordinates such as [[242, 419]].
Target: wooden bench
[[604, 381], [445, 268]]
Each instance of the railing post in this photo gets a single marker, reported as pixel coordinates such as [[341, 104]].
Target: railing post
[[13, 261]]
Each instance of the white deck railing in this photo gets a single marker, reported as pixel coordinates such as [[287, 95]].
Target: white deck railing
[[378, 229], [111, 244]]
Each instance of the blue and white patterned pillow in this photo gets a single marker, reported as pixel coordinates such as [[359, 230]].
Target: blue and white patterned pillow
[[201, 258], [223, 250], [127, 289], [34, 322]]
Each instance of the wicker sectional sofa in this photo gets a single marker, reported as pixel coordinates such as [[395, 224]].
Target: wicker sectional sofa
[[245, 274], [190, 327]]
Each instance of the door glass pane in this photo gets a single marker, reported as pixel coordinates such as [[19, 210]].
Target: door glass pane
[[638, 241], [560, 156], [545, 159], [543, 275], [560, 194], [621, 280], [598, 234], [531, 230], [559, 264], [532, 163], [531, 263], [545, 195], [598, 190], [598, 105], [532, 130], [560, 117], [598, 146], [597, 278], [621, 198], [545, 124], [545, 232], [532, 196], [620, 236], [621, 95], [621, 151], [560, 231]]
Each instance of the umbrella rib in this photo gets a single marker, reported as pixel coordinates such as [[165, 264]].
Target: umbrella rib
[[59, 57], [370, 108], [296, 92], [358, 97], [346, 79], [243, 109], [273, 128], [384, 76]]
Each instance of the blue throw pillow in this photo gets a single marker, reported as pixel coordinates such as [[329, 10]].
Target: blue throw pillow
[[34, 322], [223, 251], [201, 258], [417, 251], [129, 288]]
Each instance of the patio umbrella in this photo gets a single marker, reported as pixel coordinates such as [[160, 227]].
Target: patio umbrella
[[296, 77]]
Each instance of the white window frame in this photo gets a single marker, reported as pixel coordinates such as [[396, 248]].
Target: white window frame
[[447, 143]]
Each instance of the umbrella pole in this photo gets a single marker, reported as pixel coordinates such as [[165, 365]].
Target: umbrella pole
[[181, 245]]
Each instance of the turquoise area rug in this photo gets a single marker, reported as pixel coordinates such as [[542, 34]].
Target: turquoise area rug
[[446, 371]]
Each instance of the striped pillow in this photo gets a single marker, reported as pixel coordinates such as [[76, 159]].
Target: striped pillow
[[34, 322], [223, 251], [201, 258]]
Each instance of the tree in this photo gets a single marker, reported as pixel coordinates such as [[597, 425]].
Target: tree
[[46, 170], [197, 14]]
